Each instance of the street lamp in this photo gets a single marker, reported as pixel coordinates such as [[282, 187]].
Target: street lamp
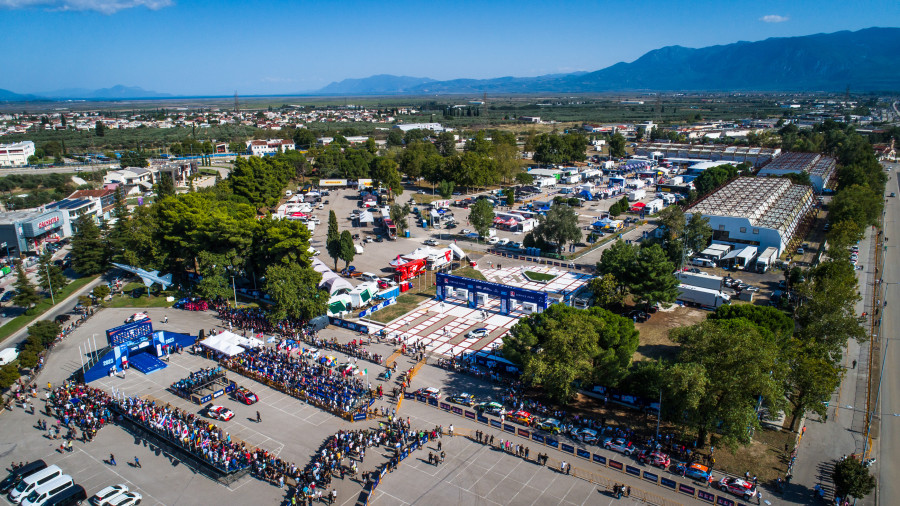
[[50, 284], [233, 287]]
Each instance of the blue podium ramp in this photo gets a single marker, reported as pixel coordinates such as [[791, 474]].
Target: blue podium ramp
[[146, 363]]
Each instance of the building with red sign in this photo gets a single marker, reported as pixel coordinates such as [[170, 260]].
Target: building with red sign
[[30, 230]]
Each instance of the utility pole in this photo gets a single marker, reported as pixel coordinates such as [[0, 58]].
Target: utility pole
[[50, 284]]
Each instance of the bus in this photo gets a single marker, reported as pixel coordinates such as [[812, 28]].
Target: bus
[[390, 229]]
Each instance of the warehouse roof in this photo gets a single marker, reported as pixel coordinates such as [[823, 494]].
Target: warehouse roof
[[814, 164], [765, 202]]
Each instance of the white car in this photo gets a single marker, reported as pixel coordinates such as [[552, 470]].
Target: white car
[[465, 231], [137, 317], [102, 497], [503, 241], [431, 242], [126, 499], [492, 240], [477, 333], [368, 276]]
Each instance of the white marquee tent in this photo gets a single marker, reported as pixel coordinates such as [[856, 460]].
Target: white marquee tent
[[230, 343]]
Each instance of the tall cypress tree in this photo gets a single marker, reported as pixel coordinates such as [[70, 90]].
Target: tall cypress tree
[[333, 239], [87, 247], [26, 294]]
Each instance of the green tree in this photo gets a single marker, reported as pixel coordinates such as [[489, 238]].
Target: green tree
[[828, 315], [619, 261], [28, 359], [510, 197], [445, 188], [697, 233], [605, 291], [44, 332], [333, 238], [133, 159], [653, 280], [481, 216], [858, 204], [87, 247], [294, 290], [348, 248], [811, 380], [119, 235], [394, 138], [99, 129], [49, 274], [398, 215], [26, 295], [384, 173], [559, 226], [564, 346], [100, 292], [852, 478], [9, 374], [617, 145], [724, 366], [165, 187]]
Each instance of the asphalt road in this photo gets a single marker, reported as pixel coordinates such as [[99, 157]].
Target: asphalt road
[[888, 445]]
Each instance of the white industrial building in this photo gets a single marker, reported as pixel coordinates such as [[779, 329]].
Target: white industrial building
[[269, 147], [819, 167], [715, 152], [760, 212], [16, 153], [434, 127]]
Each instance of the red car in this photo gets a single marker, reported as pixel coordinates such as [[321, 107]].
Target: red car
[[655, 458], [738, 487], [522, 417], [245, 396]]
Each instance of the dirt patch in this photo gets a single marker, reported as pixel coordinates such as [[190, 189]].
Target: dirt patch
[[654, 340]]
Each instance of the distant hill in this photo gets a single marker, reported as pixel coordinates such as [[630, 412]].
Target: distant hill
[[118, 92], [9, 96], [864, 60], [378, 84]]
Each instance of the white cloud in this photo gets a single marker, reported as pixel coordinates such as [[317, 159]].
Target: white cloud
[[102, 6], [774, 18]]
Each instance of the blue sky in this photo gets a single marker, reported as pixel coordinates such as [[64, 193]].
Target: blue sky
[[195, 47]]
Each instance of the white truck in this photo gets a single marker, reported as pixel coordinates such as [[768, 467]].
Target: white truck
[[636, 195], [701, 279], [700, 296], [764, 261]]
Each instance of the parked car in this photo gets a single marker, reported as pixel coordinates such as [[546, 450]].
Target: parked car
[[126, 499], [620, 445], [7, 296], [245, 396], [654, 458], [551, 425], [431, 242], [103, 496], [430, 392], [22, 472], [137, 317], [697, 472], [587, 436], [466, 399], [522, 417], [638, 316], [491, 408], [219, 413]]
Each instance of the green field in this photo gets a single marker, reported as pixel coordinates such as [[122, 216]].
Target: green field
[[42, 307]]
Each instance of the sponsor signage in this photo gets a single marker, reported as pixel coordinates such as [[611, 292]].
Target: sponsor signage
[[130, 333], [50, 221]]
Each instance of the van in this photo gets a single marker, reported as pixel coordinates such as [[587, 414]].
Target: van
[[702, 262], [27, 485], [39, 496], [16, 476], [72, 495]]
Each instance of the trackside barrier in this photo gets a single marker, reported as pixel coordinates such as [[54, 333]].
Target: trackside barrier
[[649, 476]]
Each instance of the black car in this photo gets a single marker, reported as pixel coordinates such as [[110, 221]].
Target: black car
[[638, 316], [23, 472], [7, 296]]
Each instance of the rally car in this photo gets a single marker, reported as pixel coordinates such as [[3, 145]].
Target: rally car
[[738, 487], [654, 458], [551, 425], [588, 436], [522, 417], [491, 408], [137, 317], [245, 396], [430, 392], [697, 472], [620, 445], [219, 413], [464, 398]]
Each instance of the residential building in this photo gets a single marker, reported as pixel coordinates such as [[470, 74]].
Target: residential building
[[753, 211], [269, 147], [105, 200], [16, 153]]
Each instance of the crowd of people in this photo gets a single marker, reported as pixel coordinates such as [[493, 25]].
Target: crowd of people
[[338, 391], [256, 320], [193, 433], [77, 407], [185, 387], [355, 348]]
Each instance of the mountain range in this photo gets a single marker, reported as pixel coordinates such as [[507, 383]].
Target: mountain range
[[118, 92], [865, 60]]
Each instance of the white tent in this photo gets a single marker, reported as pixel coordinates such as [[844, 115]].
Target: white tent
[[230, 343]]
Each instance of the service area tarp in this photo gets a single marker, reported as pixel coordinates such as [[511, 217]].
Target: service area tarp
[[230, 343]]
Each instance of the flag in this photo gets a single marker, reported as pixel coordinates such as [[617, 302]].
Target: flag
[[366, 371]]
